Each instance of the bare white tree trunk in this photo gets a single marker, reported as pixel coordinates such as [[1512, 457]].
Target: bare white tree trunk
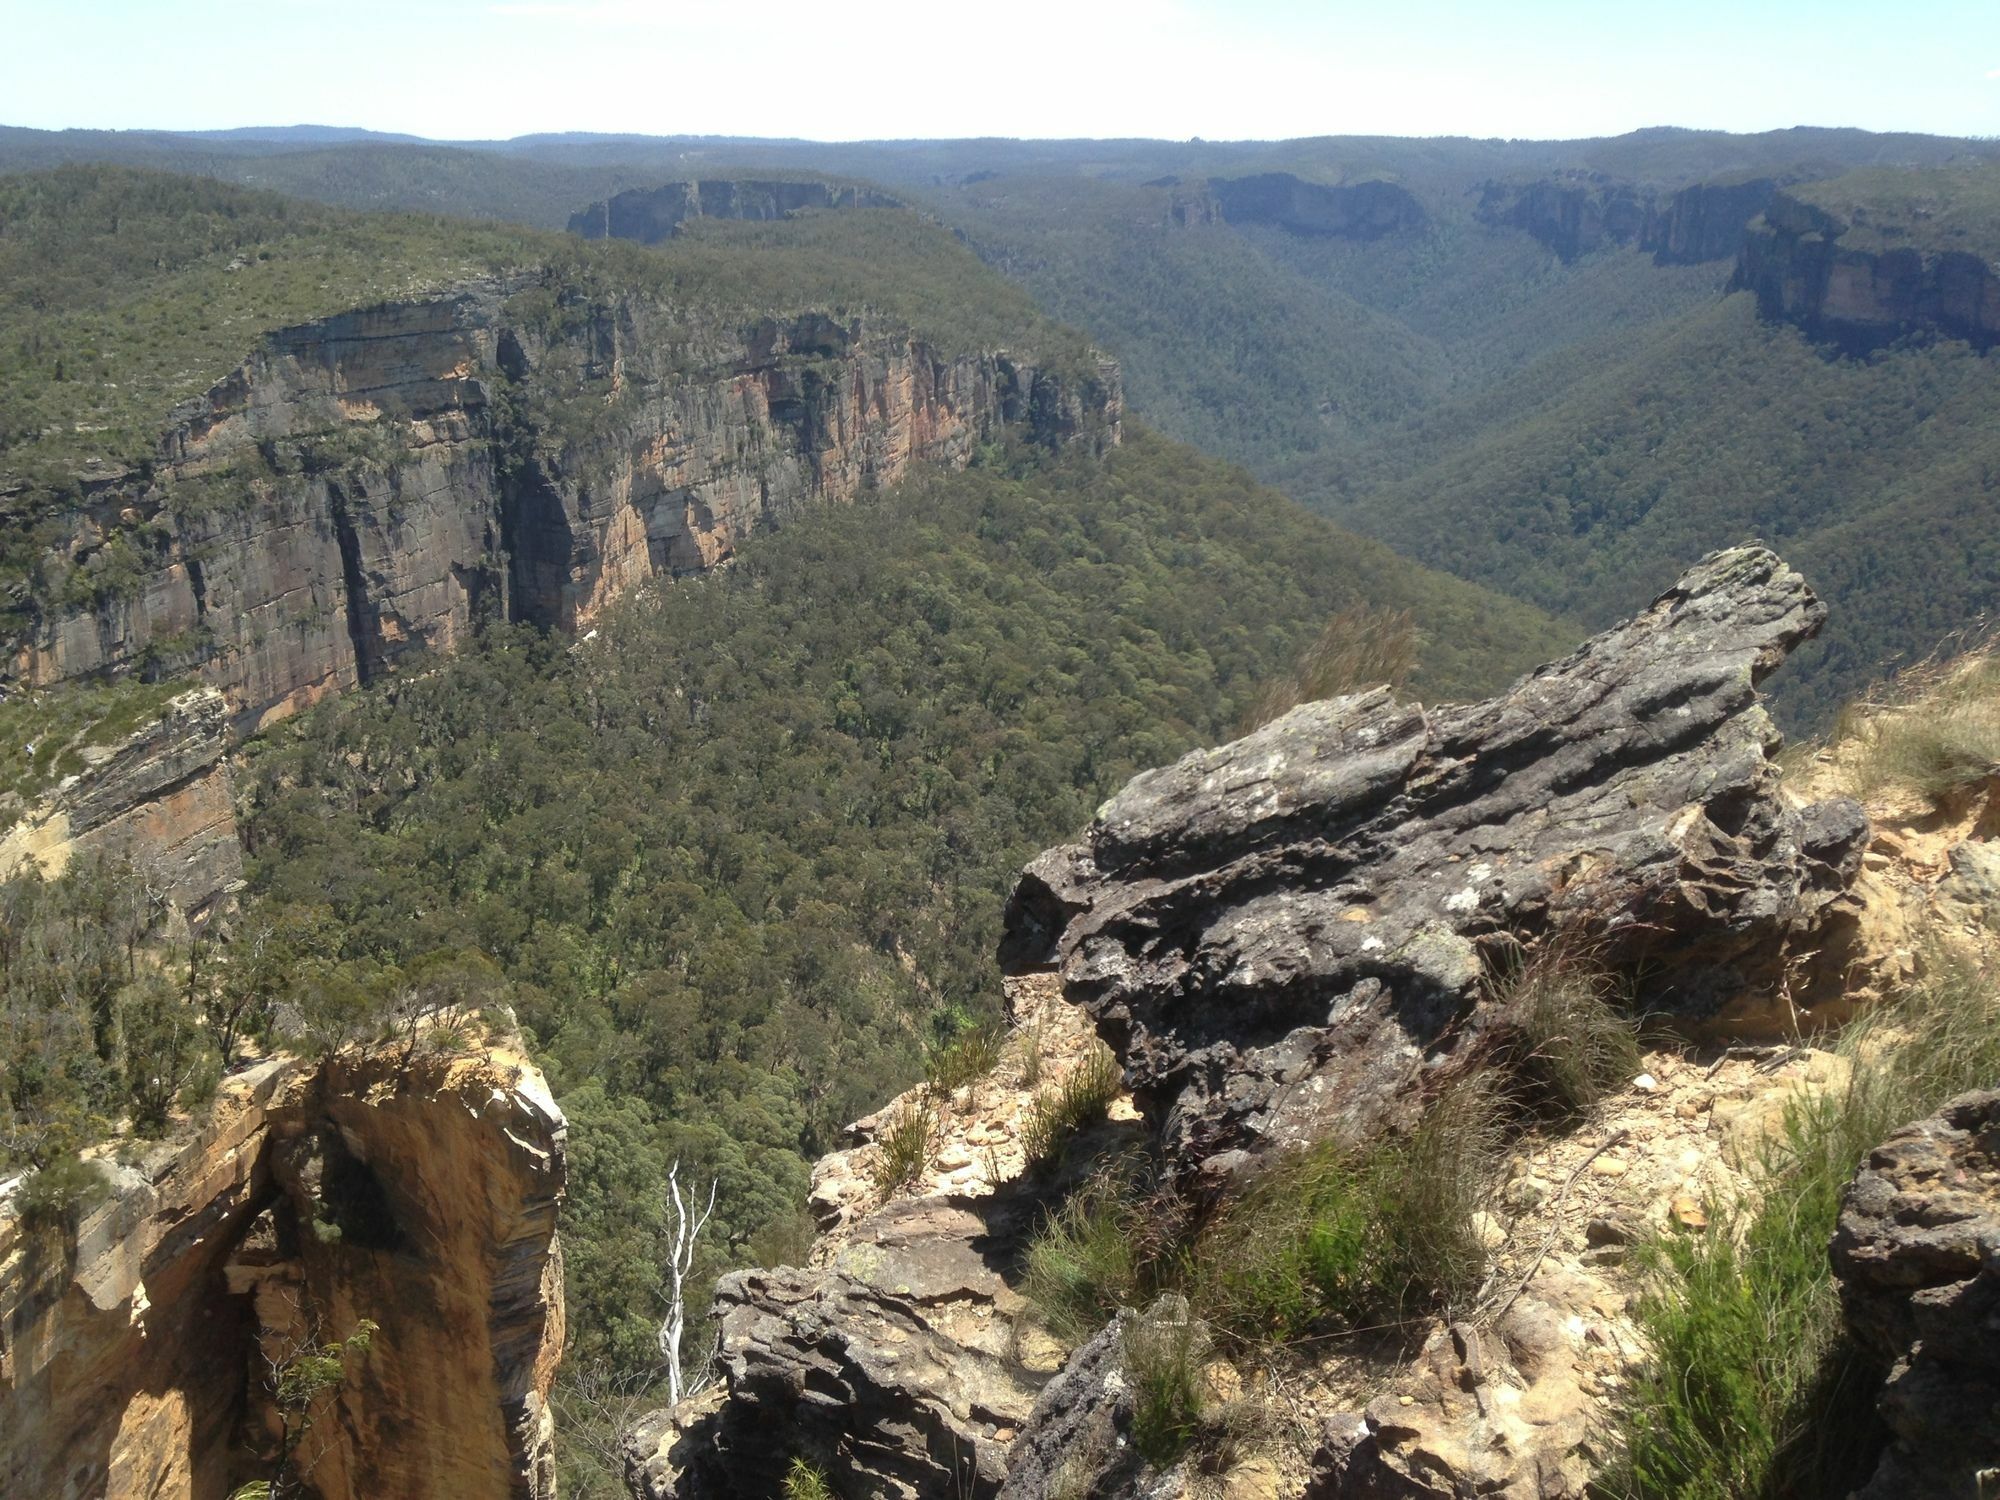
[[685, 1230]]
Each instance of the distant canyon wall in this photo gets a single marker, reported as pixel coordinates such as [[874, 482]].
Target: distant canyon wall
[[1577, 214], [376, 484], [1861, 297], [650, 215]]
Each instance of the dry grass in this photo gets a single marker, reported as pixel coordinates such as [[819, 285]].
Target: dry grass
[[1361, 647], [1933, 731], [1576, 1040]]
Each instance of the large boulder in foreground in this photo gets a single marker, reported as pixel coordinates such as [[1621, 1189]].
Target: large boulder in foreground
[[1918, 1257], [1287, 937]]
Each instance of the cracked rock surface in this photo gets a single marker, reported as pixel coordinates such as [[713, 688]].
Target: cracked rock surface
[[1284, 937], [1918, 1257]]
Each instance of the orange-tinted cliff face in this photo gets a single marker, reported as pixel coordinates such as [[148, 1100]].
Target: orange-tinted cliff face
[[377, 484], [130, 1346]]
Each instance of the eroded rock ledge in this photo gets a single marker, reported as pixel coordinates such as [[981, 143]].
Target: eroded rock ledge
[[424, 1199], [1288, 938], [1918, 1257]]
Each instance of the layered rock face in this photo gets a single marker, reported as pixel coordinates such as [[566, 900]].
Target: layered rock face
[[1579, 213], [165, 796], [899, 1361], [1358, 211], [1289, 938], [377, 484], [1859, 298], [132, 1349], [1918, 1257], [650, 215]]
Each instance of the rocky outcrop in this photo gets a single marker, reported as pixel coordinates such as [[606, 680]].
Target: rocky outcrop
[[899, 1361], [369, 488], [1578, 213], [892, 1369], [1353, 211], [1860, 296], [307, 1199], [1287, 939], [163, 796], [1918, 1257], [650, 215]]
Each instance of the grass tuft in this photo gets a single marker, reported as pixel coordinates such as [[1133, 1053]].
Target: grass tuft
[[1937, 733], [904, 1149], [1575, 1043], [1085, 1263], [804, 1481], [1360, 647], [1078, 1099], [1756, 1389], [1164, 1351], [967, 1058]]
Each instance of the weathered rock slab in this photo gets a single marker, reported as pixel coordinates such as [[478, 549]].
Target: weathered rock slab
[[1918, 1257], [1285, 938]]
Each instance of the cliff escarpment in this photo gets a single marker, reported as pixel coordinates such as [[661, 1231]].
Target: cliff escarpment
[[374, 485], [1853, 284], [650, 215], [139, 1342], [1355, 211], [163, 793], [1577, 213]]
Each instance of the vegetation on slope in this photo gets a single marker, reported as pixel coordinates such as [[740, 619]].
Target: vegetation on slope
[[741, 859]]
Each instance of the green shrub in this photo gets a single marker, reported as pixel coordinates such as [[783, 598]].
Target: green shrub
[[1756, 1389], [1080, 1097], [904, 1149], [61, 1193], [1164, 1351], [804, 1481]]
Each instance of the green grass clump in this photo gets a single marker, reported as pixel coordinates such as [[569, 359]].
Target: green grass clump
[[1164, 1350], [1080, 1097], [966, 1058], [1756, 1389], [805, 1481], [1335, 1236], [1574, 1042], [905, 1147], [1086, 1261]]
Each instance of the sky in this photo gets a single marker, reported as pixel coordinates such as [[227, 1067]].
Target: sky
[[888, 69]]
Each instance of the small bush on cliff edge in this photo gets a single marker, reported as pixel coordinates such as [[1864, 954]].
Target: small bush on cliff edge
[[1574, 1044]]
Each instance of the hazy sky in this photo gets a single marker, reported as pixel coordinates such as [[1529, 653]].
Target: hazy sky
[[853, 69]]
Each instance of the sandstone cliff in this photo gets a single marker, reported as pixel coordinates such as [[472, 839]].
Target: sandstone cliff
[[374, 485], [164, 794], [1808, 266], [1577, 213], [1353, 211], [650, 215], [132, 1344]]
